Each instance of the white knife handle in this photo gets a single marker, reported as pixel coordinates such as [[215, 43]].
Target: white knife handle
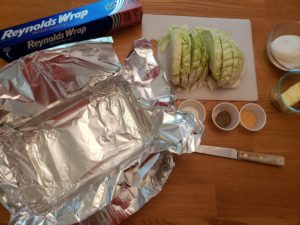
[[261, 158]]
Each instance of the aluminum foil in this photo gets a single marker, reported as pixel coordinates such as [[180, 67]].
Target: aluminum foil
[[84, 139]]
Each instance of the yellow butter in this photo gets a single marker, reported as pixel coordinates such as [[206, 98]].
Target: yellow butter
[[292, 95]]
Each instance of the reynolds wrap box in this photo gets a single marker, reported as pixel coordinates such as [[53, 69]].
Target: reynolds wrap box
[[78, 24]]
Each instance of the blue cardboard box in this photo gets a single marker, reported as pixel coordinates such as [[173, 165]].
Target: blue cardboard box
[[78, 24]]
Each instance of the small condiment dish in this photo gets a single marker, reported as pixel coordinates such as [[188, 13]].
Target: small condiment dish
[[253, 117], [232, 110], [194, 107]]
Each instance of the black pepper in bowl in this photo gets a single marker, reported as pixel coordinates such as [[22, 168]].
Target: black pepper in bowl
[[223, 119]]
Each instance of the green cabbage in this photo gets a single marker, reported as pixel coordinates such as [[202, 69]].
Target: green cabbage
[[185, 67], [177, 41], [238, 67], [199, 67], [227, 60], [214, 48], [202, 54]]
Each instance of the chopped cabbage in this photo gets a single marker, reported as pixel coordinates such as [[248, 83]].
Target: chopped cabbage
[[202, 54]]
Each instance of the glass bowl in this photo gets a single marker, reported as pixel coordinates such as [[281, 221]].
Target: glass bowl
[[287, 81], [280, 58]]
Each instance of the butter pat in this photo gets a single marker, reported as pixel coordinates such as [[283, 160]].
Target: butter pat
[[292, 95]]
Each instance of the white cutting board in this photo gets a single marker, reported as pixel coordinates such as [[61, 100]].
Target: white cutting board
[[154, 26]]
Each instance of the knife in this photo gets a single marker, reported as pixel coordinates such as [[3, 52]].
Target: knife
[[231, 153]]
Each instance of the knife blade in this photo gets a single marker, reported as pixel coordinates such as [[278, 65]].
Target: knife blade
[[274, 160]]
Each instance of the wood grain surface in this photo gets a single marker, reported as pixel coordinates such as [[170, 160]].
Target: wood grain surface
[[203, 189]]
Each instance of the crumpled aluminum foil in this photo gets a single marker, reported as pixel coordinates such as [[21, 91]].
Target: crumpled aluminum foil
[[85, 140]]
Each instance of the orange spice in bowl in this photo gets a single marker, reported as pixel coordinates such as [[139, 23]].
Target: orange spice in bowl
[[249, 118], [253, 117]]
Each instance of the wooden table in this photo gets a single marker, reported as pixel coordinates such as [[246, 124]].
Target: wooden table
[[203, 189]]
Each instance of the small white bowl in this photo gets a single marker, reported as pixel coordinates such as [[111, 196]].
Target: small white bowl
[[232, 110], [259, 113], [194, 107]]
